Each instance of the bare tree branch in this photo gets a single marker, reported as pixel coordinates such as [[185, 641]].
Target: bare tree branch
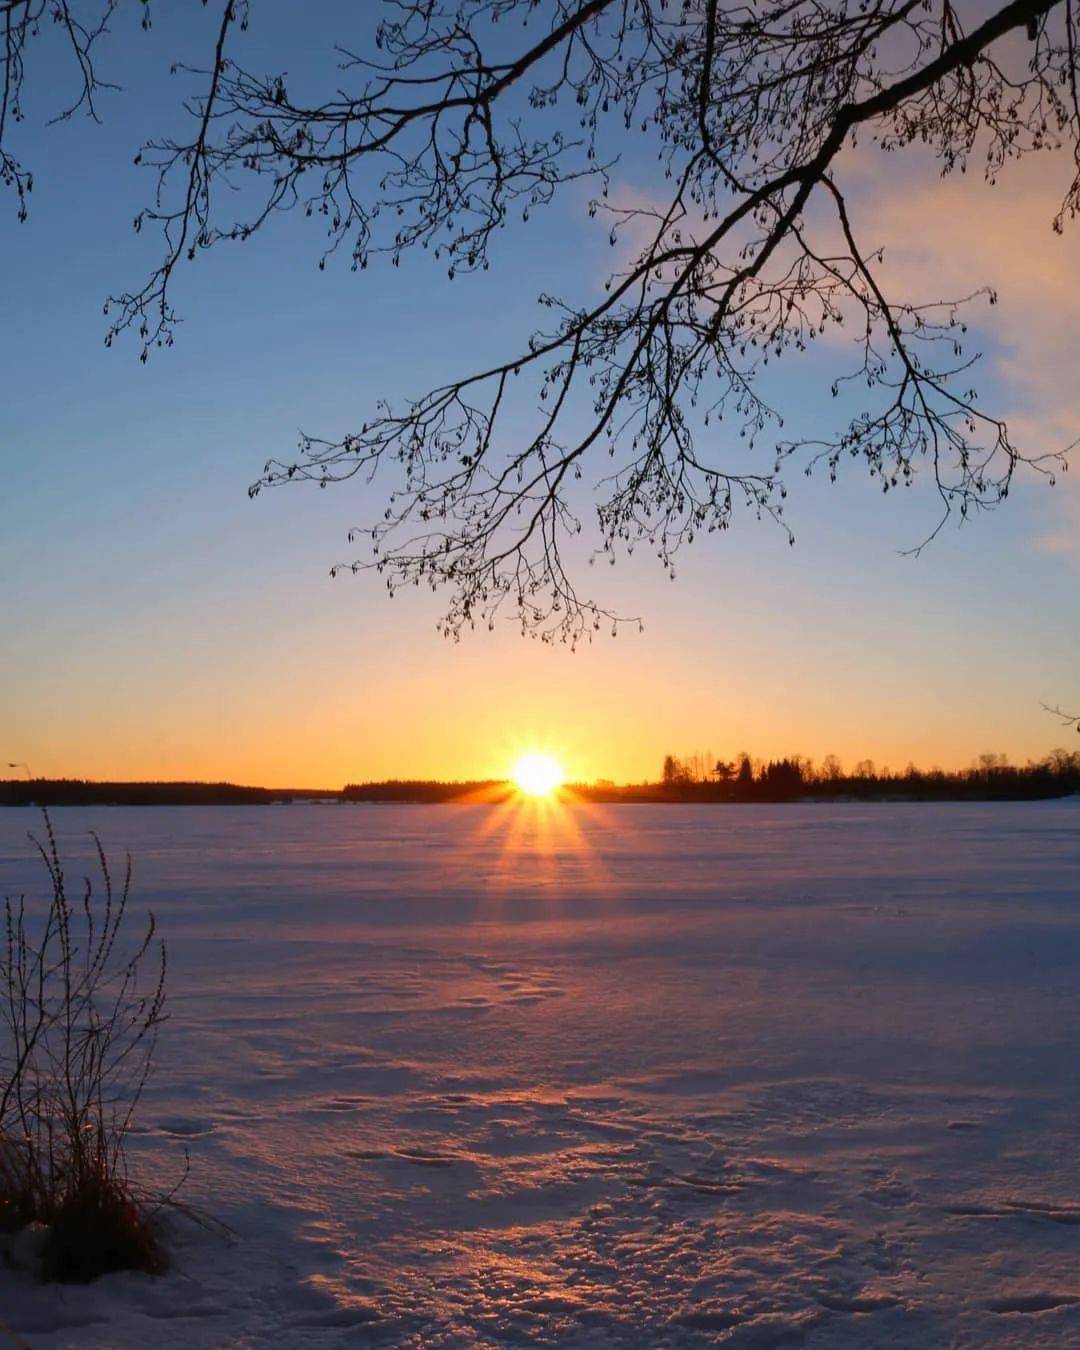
[[22, 22], [1069, 719], [640, 418]]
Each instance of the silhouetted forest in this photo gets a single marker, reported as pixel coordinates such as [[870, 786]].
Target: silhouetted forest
[[700, 778], [992, 777], [697, 778], [80, 792], [427, 790]]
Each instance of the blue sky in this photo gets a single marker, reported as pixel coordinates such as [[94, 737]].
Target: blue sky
[[157, 623]]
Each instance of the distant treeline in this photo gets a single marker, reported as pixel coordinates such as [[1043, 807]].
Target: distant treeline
[[991, 778], [744, 779], [701, 779], [426, 790], [79, 792]]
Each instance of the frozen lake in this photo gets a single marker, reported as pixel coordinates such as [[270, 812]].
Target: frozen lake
[[750, 1076]]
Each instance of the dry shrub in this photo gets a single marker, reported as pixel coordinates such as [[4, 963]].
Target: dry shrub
[[80, 1009]]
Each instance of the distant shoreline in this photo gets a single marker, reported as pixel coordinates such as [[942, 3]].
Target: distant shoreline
[[77, 792]]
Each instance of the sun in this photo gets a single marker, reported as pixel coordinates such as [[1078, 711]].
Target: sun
[[537, 774]]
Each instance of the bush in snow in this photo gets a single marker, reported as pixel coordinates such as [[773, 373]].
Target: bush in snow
[[80, 1008]]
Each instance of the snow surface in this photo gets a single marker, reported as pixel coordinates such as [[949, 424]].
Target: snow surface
[[751, 1076]]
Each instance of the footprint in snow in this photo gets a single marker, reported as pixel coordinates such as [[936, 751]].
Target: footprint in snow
[[422, 1157], [710, 1319], [343, 1104], [168, 1312], [357, 1315], [1032, 1303], [1068, 1215], [855, 1303], [186, 1128]]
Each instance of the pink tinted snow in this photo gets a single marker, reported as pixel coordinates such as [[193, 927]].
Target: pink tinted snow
[[748, 1076]]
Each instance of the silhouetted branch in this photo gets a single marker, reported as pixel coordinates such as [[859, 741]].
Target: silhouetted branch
[[1070, 719], [21, 22], [457, 119], [187, 227], [762, 109]]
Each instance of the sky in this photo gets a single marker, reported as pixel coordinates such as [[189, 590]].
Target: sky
[[158, 624]]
